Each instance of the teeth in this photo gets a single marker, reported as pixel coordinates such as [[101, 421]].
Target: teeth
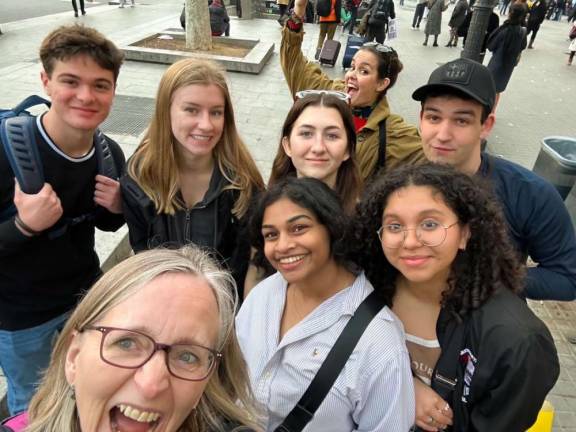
[[136, 414], [292, 259], [201, 137]]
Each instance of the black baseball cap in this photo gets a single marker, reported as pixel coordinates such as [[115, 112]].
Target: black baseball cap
[[463, 75]]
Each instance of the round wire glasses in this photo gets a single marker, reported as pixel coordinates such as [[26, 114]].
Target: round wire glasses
[[428, 233]]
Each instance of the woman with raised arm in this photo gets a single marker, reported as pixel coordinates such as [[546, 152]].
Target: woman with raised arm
[[384, 139]]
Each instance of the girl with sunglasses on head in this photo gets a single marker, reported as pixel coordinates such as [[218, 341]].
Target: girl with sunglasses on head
[[432, 241], [290, 321], [192, 179], [384, 139], [318, 140]]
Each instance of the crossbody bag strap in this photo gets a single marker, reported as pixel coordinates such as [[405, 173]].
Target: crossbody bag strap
[[304, 410], [381, 145]]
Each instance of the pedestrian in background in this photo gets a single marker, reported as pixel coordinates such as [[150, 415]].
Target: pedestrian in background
[[219, 19], [506, 44], [123, 3], [76, 8], [434, 20], [418, 13], [352, 7], [380, 12], [535, 19], [572, 46], [456, 20]]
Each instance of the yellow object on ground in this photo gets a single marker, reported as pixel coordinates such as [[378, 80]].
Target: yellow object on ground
[[545, 419]]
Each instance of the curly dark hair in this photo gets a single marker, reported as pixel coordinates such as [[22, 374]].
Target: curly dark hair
[[314, 196], [489, 262]]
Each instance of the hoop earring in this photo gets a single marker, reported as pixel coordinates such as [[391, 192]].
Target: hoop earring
[[72, 393]]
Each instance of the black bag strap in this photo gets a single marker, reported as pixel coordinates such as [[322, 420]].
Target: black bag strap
[[382, 142], [304, 410]]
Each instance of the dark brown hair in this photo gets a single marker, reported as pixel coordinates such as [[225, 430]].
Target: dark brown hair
[[389, 65], [69, 41], [489, 262], [348, 181]]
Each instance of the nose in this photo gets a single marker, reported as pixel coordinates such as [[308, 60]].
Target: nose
[[318, 146], [153, 377], [284, 243], [411, 240], [85, 94], [205, 121], [444, 131]]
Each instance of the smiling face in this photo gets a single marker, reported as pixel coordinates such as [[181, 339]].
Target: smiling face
[[295, 242], [173, 308], [318, 144], [415, 206], [362, 82], [81, 92], [452, 131], [197, 119]]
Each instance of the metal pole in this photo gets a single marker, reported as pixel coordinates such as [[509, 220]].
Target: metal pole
[[477, 30]]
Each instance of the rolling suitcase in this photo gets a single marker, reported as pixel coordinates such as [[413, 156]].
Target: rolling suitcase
[[330, 52], [353, 44]]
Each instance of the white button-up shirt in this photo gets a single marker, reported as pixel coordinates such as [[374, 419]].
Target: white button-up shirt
[[374, 391]]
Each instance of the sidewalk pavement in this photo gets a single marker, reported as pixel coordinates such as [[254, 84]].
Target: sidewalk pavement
[[537, 103]]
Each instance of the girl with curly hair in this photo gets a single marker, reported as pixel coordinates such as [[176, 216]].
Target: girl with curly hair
[[433, 241]]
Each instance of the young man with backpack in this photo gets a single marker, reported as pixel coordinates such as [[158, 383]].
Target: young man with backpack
[[329, 13], [380, 12], [47, 256]]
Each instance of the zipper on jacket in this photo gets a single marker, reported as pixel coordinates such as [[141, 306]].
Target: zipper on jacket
[[446, 381], [187, 226]]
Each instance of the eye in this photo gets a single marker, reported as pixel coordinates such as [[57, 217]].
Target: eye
[[432, 118], [69, 82], [394, 228], [269, 235], [103, 87], [218, 113], [429, 225], [126, 343], [306, 134], [299, 228], [462, 122], [188, 358], [333, 137], [191, 110]]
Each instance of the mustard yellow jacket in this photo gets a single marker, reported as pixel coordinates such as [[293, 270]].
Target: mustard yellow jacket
[[403, 144]]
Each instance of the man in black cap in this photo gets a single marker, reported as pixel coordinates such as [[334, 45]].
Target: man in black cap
[[456, 116]]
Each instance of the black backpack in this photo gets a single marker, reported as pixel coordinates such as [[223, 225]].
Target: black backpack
[[18, 138], [323, 7], [382, 10]]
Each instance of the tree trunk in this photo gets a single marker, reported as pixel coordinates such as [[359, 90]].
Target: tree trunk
[[198, 33]]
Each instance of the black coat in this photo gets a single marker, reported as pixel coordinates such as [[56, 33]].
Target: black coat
[[496, 366], [506, 44]]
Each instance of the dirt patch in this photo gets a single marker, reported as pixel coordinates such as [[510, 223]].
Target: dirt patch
[[227, 49]]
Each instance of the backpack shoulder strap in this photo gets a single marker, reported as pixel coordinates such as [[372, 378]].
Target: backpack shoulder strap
[[18, 137], [324, 379], [382, 142], [106, 165]]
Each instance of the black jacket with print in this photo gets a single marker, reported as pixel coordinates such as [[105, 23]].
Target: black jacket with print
[[496, 366]]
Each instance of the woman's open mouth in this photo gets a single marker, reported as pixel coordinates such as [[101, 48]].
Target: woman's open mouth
[[126, 418]]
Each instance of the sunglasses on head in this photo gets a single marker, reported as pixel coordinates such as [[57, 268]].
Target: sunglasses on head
[[379, 47], [338, 94]]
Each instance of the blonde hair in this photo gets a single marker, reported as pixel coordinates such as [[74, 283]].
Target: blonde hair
[[227, 395], [154, 165]]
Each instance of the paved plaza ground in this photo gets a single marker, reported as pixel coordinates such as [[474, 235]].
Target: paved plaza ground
[[538, 102]]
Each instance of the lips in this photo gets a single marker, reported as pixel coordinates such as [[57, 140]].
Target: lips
[[289, 263], [127, 418], [414, 260]]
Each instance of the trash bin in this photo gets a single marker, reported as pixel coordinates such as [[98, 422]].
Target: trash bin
[[557, 163]]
